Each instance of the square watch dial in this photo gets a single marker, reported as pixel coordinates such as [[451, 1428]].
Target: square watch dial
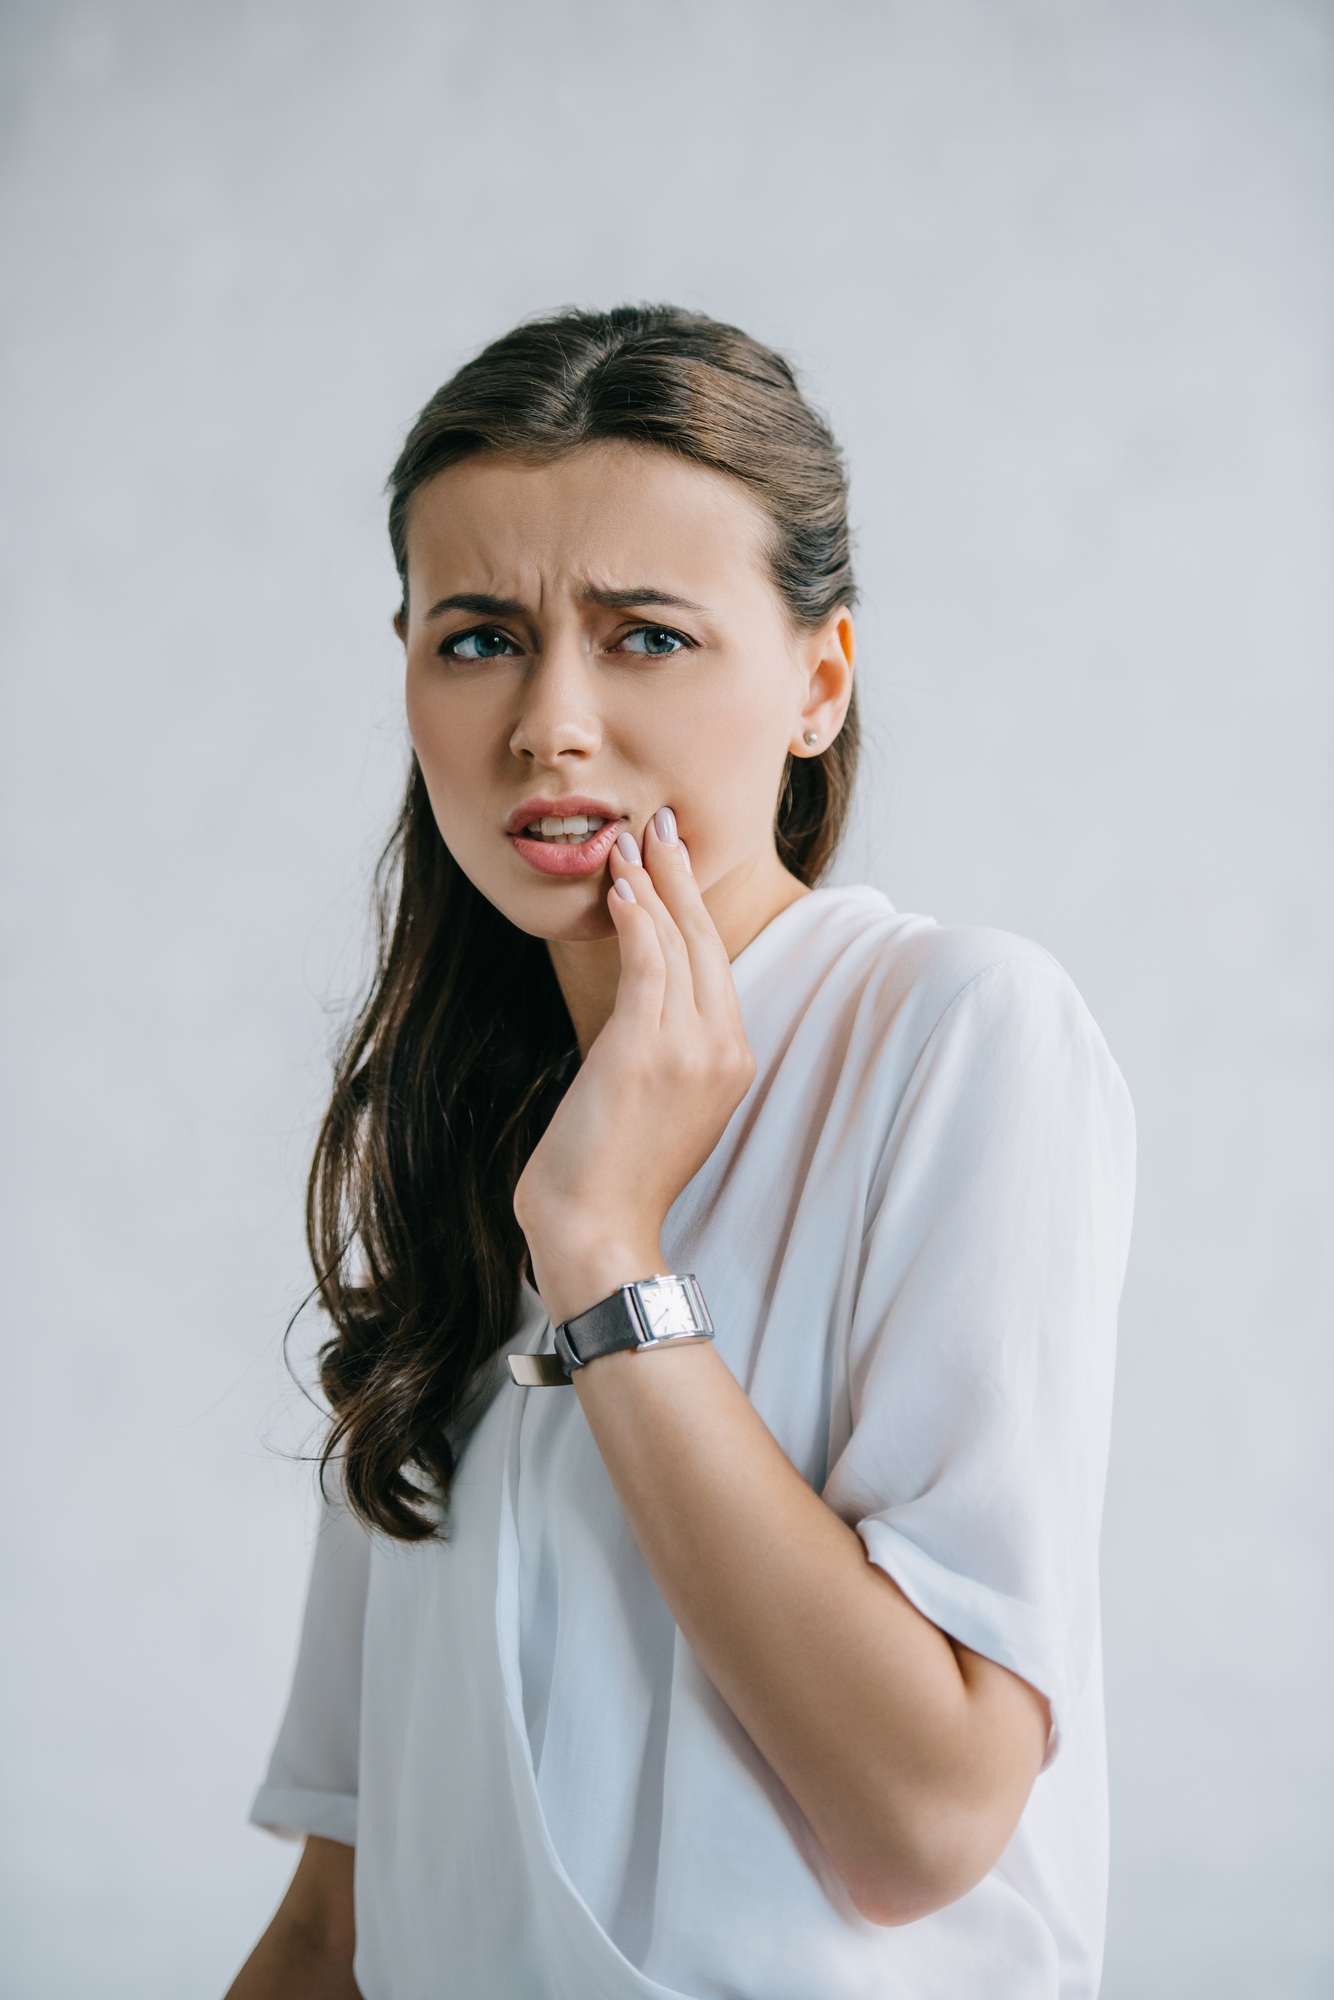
[[666, 1306]]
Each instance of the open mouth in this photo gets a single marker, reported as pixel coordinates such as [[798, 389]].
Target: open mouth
[[572, 830], [572, 843]]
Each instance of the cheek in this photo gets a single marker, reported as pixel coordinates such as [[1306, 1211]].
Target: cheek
[[722, 761], [445, 738], [450, 737]]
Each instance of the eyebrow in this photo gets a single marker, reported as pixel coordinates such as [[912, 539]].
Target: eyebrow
[[626, 600], [483, 606], [477, 602]]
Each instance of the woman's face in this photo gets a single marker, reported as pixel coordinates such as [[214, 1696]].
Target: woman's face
[[588, 640]]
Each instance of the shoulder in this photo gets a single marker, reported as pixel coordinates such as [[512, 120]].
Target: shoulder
[[982, 989], [906, 971], [900, 997]]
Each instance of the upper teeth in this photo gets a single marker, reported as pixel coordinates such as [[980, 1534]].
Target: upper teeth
[[577, 826]]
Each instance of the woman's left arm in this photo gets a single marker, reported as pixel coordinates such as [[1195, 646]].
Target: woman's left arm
[[911, 1756]]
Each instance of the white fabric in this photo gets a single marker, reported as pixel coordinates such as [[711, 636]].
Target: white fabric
[[911, 1238]]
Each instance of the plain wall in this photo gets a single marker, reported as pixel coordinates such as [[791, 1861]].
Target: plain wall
[[1062, 275]]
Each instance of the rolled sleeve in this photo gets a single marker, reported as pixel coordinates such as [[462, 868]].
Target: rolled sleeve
[[311, 1783], [982, 1343], [294, 1813], [1016, 1635]]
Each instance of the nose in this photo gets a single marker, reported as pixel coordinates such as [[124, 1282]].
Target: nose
[[557, 720]]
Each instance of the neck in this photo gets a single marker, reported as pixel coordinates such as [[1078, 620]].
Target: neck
[[740, 903]]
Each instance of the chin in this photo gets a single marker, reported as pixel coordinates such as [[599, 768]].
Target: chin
[[565, 918]]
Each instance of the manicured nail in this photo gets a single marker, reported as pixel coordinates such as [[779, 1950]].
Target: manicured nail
[[623, 889], [628, 847], [685, 856], [664, 825]]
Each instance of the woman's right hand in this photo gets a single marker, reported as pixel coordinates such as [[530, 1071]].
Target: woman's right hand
[[654, 1094]]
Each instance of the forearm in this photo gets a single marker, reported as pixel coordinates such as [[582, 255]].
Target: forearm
[[287, 1966], [911, 1759], [306, 1953]]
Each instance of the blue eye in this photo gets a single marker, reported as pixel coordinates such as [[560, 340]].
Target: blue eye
[[654, 640], [483, 643]]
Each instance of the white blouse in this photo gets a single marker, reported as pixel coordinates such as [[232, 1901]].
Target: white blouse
[[911, 1238]]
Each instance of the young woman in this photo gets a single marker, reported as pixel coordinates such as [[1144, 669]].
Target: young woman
[[741, 1637]]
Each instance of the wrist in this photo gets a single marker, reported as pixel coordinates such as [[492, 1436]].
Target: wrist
[[581, 1277]]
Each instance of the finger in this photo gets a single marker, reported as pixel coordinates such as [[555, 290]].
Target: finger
[[628, 867], [642, 982], [668, 863]]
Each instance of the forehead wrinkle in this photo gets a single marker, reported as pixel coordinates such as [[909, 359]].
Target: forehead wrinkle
[[586, 587], [479, 579], [580, 551]]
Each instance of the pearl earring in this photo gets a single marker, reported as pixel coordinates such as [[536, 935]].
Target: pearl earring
[[811, 736]]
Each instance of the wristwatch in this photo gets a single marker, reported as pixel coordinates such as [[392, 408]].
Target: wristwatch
[[654, 1312]]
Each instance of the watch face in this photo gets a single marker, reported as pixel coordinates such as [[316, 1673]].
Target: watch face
[[666, 1305]]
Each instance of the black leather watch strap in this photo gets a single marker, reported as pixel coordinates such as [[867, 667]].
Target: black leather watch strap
[[653, 1312], [606, 1328]]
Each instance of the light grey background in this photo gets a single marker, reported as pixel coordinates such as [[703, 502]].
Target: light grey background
[[1062, 275]]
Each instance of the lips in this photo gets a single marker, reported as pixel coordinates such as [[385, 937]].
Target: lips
[[563, 853]]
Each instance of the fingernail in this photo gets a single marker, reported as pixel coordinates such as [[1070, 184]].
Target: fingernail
[[628, 848], [664, 825], [623, 889], [685, 856]]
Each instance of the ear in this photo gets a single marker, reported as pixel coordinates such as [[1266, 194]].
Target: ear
[[827, 657], [401, 626]]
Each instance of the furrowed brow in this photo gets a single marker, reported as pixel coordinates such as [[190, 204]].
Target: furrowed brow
[[479, 604], [632, 600]]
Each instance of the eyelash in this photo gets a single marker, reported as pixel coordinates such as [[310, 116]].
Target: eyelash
[[447, 648], [455, 639]]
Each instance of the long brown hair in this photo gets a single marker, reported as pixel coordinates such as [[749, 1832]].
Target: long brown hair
[[455, 1063]]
